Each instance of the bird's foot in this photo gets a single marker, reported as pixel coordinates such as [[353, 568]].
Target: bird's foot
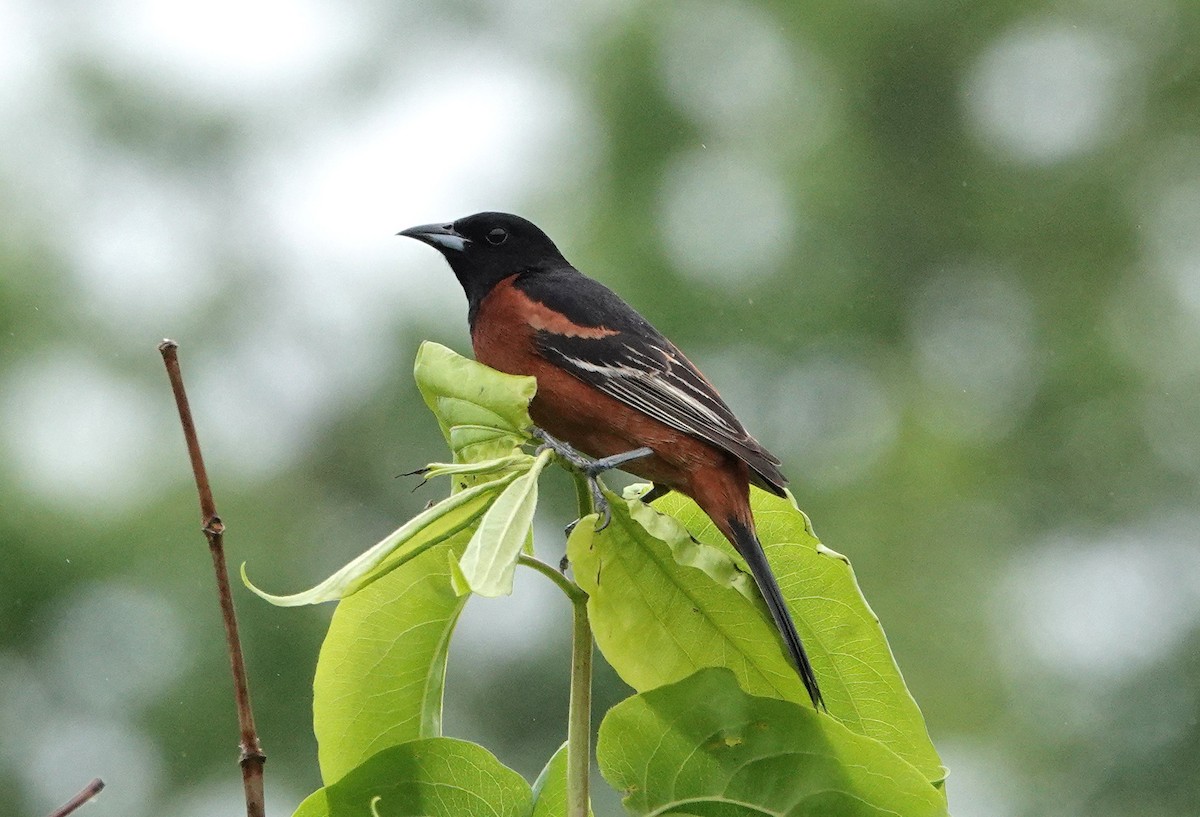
[[590, 468]]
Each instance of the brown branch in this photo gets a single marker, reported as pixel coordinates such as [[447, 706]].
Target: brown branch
[[252, 757], [87, 793]]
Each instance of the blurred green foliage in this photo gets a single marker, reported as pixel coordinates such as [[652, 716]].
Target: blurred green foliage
[[964, 237]]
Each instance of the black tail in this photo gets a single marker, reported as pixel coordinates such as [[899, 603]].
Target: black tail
[[747, 544]]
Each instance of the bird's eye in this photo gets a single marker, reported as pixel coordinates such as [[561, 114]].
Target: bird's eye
[[497, 236]]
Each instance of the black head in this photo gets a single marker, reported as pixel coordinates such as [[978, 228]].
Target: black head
[[486, 248]]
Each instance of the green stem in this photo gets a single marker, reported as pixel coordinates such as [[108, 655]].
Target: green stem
[[579, 715], [579, 711], [571, 590], [583, 495]]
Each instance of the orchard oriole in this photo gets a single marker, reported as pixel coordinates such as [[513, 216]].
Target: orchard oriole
[[611, 385]]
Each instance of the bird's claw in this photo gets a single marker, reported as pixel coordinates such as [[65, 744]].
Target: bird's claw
[[600, 504], [590, 469]]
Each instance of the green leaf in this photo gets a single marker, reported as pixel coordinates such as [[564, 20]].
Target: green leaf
[[659, 615], [315, 805], [483, 413], [663, 609], [381, 673], [513, 462], [703, 746], [859, 677], [490, 559], [550, 788], [437, 777], [414, 537], [382, 668]]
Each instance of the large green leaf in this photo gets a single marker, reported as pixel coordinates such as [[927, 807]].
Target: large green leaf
[[488, 564], [437, 777], [859, 676], [658, 620], [703, 746], [382, 667], [381, 673], [483, 413], [664, 605]]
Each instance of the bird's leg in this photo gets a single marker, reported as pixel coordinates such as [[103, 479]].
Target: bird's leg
[[590, 468]]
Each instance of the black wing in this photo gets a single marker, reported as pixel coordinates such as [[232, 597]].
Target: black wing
[[640, 367]]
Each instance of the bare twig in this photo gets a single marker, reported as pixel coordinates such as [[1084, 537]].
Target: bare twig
[[87, 793], [252, 757]]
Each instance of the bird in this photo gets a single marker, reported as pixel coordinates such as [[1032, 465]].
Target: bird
[[612, 386]]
